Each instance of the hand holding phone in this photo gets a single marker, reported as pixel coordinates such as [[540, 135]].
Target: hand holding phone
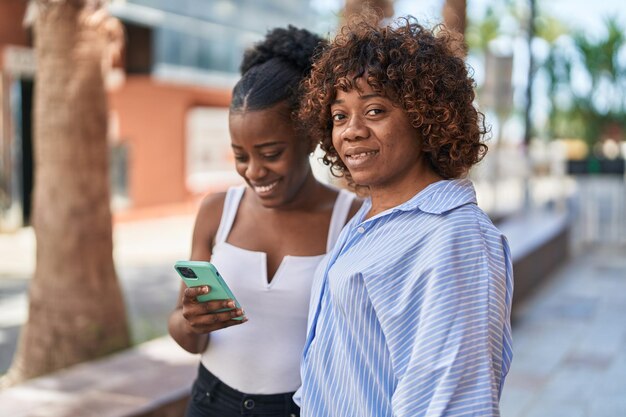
[[208, 303]]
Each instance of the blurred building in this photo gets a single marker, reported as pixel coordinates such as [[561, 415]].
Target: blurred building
[[17, 68], [168, 97]]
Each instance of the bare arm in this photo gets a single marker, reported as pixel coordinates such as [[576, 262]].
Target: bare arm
[[192, 321]]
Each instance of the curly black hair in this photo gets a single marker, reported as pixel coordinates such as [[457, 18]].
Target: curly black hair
[[273, 69], [419, 69]]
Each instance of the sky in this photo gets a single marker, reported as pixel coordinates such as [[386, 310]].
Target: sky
[[588, 14], [581, 13]]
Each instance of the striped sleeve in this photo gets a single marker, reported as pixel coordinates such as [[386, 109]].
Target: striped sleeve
[[445, 349]]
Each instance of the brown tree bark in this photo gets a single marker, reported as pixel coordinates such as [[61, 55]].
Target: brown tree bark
[[76, 308], [454, 15], [384, 8]]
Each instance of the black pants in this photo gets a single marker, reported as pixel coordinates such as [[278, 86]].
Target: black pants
[[210, 397]]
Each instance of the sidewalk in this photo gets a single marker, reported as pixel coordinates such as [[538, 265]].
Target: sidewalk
[[569, 341]]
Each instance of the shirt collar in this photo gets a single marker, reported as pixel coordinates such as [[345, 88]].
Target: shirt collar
[[437, 198], [442, 196]]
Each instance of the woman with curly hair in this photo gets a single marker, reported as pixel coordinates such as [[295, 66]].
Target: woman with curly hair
[[410, 313], [266, 238]]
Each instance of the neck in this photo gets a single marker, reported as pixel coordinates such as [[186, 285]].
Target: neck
[[384, 198], [306, 196]]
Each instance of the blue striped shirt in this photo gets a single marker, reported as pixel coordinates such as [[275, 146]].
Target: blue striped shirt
[[410, 313]]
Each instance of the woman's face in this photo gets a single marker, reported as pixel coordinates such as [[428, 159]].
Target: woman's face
[[375, 139], [269, 155]]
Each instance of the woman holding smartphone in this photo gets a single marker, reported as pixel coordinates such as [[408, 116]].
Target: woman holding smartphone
[[410, 316], [266, 240]]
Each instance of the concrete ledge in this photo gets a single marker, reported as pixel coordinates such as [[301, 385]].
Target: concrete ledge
[[539, 244], [153, 379]]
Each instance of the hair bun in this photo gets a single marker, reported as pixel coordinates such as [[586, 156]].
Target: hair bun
[[293, 45]]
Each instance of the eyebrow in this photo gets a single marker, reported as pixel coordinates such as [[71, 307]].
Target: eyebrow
[[261, 145], [365, 97]]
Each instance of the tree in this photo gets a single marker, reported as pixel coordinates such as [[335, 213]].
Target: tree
[[597, 105], [454, 14], [384, 8], [554, 66], [481, 33], [76, 310]]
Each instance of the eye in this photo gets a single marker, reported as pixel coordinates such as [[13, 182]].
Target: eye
[[272, 156], [241, 158], [337, 117], [375, 111]]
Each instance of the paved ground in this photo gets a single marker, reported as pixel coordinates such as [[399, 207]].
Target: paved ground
[[569, 341]]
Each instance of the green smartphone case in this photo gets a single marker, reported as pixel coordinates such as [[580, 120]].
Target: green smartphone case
[[206, 274]]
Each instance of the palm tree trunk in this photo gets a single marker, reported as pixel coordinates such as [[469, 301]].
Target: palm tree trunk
[[455, 15], [531, 73], [384, 8], [76, 310]]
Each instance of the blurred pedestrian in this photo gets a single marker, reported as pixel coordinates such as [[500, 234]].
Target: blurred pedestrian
[[266, 239], [410, 314]]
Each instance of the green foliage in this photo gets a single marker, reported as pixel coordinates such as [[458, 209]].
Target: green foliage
[[550, 28], [586, 82], [584, 77], [480, 33]]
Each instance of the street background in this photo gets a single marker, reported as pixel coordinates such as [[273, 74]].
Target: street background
[[558, 156]]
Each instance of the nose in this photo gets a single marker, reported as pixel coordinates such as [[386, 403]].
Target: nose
[[255, 169], [354, 129]]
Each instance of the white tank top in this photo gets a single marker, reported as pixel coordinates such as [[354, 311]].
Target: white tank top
[[262, 356]]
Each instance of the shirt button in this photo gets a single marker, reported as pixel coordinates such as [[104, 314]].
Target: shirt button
[[361, 229], [248, 404]]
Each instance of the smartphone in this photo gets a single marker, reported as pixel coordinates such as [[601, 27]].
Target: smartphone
[[198, 273]]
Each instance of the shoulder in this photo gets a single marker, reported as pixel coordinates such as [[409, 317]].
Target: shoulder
[[471, 219], [462, 219], [212, 205], [209, 216], [436, 234], [464, 233]]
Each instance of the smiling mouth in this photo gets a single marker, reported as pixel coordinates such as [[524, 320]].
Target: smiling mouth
[[357, 159], [264, 189], [361, 155]]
